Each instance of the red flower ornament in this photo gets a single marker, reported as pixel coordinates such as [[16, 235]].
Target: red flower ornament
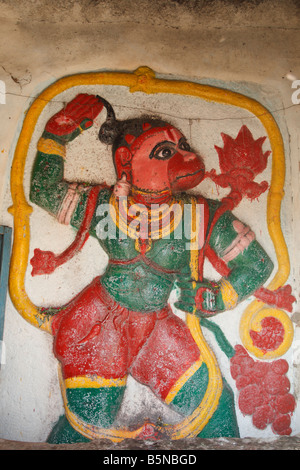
[[241, 160]]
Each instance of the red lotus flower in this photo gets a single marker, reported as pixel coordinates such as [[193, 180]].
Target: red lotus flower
[[243, 152], [241, 160]]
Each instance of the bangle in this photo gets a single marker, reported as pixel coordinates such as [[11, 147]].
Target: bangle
[[51, 147], [229, 295]]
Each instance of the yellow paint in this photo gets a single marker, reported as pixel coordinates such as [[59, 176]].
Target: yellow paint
[[160, 222], [182, 380], [229, 295], [51, 147], [144, 80], [84, 381], [91, 431], [251, 320], [193, 424]]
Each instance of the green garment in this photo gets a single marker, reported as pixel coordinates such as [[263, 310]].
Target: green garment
[[146, 284]]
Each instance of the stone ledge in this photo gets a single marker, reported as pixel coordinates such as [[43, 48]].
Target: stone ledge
[[281, 443]]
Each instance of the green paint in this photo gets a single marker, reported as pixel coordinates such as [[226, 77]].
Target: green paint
[[250, 269], [64, 433], [220, 337], [191, 394], [223, 422], [142, 288], [148, 289], [223, 233], [47, 186], [97, 406]]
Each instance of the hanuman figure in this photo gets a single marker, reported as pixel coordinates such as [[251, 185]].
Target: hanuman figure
[[122, 322]]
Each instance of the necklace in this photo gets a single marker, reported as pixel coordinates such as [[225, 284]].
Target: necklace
[[144, 224], [147, 198]]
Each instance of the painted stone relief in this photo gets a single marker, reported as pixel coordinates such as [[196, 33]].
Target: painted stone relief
[[157, 236]]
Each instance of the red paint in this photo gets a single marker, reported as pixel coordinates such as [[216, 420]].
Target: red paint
[[243, 380], [280, 366], [199, 300], [183, 170], [263, 391], [219, 265], [235, 371], [281, 425], [95, 330], [45, 262], [241, 160], [275, 385], [122, 162], [260, 369], [150, 431], [84, 108], [271, 335], [285, 404], [281, 298], [129, 138], [250, 398], [262, 416], [168, 353], [93, 334], [146, 126]]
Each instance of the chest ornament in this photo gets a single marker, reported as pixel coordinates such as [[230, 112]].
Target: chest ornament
[[145, 224]]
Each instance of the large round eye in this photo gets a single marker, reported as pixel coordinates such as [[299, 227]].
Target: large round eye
[[163, 150], [183, 145]]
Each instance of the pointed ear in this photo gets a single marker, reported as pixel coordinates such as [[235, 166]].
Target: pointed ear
[[123, 156]]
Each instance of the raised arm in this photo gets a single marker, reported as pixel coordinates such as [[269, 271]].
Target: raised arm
[[48, 188]]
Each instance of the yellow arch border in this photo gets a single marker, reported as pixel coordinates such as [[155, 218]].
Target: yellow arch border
[[144, 80]]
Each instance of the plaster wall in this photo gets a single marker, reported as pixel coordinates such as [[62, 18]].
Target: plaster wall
[[250, 47]]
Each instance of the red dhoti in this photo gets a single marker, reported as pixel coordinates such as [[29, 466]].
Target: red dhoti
[[94, 335]]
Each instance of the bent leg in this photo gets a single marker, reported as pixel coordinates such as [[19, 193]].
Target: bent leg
[[93, 401], [90, 343], [168, 353], [170, 364]]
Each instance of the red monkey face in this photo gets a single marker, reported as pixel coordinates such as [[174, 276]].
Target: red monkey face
[[161, 159]]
